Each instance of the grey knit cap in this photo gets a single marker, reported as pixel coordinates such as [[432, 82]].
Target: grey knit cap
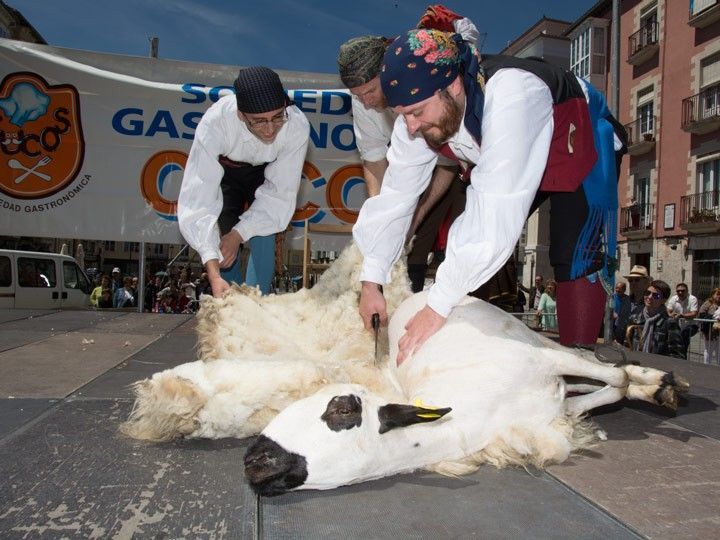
[[258, 90], [359, 59]]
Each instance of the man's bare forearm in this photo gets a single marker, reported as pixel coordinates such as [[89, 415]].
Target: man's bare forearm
[[374, 171]]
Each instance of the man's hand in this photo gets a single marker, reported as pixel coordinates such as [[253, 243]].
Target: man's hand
[[372, 301], [229, 246], [423, 325], [219, 286]]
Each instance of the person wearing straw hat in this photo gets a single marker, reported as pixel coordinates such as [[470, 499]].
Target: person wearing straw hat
[[531, 131], [638, 280], [242, 175]]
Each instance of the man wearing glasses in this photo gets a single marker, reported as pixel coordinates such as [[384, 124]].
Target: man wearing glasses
[[242, 176], [659, 333], [683, 307]]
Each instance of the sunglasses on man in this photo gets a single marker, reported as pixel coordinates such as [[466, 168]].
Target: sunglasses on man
[[655, 295]]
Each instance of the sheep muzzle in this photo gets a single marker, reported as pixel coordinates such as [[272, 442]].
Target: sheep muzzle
[[272, 470]]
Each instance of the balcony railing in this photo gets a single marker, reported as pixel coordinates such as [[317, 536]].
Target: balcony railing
[[641, 135], [636, 220], [700, 212], [701, 112], [703, 12], [643, 44]]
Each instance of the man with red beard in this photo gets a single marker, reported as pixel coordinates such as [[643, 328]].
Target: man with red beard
[[359, 62], [523, 130]]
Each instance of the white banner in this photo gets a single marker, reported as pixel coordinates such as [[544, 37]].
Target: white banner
[[93, 146]]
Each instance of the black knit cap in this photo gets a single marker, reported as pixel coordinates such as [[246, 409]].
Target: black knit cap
[[258, 90]]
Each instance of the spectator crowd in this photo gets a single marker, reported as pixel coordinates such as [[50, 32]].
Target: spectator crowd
[[647, 316], [178, 291]]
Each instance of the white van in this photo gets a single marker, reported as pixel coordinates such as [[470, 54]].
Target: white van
[[34, 280]]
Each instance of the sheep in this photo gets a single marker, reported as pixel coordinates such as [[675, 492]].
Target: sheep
[[258, 354], [300, 369], [502, 399]]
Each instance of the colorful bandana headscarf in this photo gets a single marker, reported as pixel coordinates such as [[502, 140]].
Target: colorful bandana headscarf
[[422, 61], [416, 65], [359, 59]]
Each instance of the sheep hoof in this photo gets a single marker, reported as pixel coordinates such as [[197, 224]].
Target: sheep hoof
[[680, 384], [666, 397]]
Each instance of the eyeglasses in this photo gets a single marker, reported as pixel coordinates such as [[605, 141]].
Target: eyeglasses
[[679, 291], [655, 295], [277, 120]]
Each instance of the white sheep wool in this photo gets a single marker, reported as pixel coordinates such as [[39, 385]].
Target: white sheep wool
[[260, 353]]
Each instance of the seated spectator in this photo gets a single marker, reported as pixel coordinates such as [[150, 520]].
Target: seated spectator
[[684, 307], [97, 291], [659, 333], [124, 296], [106, 299], [166, 304], [711, 336], [548, 307]]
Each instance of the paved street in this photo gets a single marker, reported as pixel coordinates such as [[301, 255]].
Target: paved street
[[68, 474]]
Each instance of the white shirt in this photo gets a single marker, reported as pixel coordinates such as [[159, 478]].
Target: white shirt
[[372, 130], [517, 129], [686, 306], [221, 133]]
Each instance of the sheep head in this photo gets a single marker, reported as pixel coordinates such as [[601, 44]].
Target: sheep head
[[341, 435]]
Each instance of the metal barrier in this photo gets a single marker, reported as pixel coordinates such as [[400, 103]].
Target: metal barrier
[[704, 344], [533, 321]]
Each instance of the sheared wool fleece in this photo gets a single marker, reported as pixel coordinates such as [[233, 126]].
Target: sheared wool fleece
[[259, 353]]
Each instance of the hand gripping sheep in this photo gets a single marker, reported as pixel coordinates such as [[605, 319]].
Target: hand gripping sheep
[[300, 367]]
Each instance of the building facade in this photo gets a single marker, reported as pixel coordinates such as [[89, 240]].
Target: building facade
[[669, 103]]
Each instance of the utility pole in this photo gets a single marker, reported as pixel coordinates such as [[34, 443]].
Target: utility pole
[[154, 44], [615, 109]]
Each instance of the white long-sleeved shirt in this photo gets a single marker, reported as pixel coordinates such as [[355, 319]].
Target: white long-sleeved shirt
[[373, 130], [221, 133], [517, 130]]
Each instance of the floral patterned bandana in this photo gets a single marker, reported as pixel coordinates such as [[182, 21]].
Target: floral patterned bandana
[[416, 65], [422, 61]]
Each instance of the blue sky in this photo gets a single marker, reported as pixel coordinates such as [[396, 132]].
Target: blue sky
[[281, 34]]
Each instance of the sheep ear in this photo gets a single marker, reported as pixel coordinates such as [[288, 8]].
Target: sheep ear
[[394, 415]]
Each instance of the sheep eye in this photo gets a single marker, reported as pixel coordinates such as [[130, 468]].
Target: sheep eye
[[343, 412]]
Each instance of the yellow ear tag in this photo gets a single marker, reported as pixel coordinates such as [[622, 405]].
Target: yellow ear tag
[[417, 402]]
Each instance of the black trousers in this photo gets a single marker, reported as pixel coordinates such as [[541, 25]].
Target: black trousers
[[238, 187]]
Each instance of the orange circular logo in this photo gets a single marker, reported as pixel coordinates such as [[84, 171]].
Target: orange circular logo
[[153, 180]]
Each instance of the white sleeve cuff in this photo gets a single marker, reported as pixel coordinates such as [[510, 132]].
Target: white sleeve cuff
[[442, 298], [376, 153], [208, 254], [374, 272]]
